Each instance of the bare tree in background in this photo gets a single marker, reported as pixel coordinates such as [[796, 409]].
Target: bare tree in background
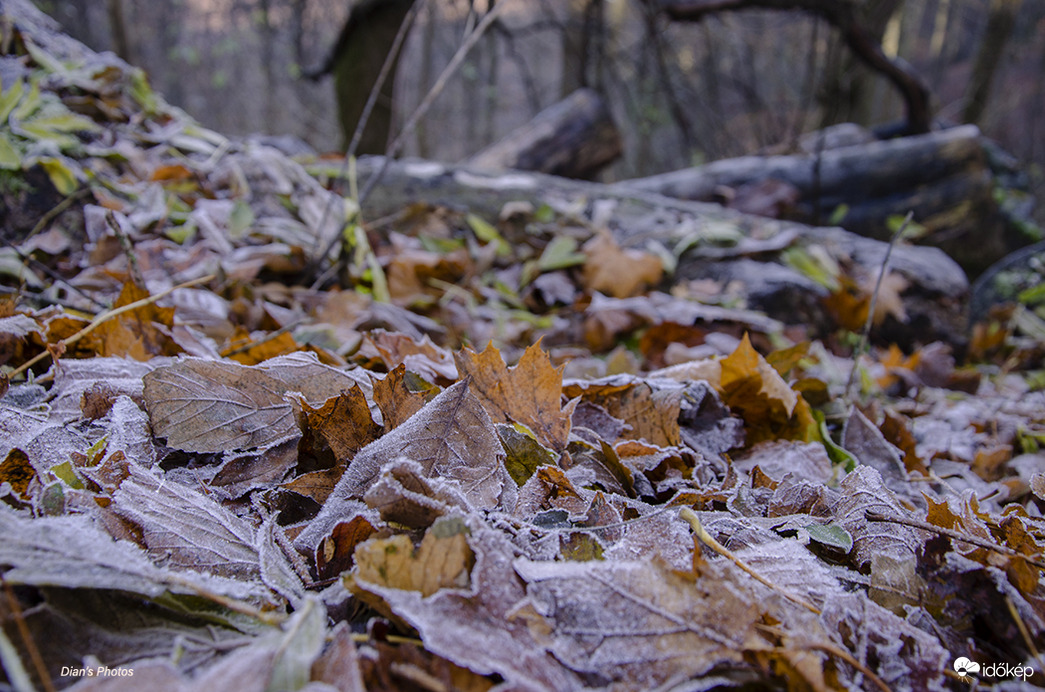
[[356, 62], [1000, 20]]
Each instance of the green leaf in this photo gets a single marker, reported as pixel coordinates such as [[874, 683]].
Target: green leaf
[[838, 215], [487, 233], [65, 473], [836, 453], [63, 120], [831, 535], [28, 103], [142, 93], [302, 641], [813, 265], [241, 218], [560, 253], [544, 214], [63, 177], [10, 98], [10, 159], [524, 454], [45, 60]]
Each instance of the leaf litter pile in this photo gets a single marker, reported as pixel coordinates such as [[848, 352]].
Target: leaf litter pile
[[215, 476]]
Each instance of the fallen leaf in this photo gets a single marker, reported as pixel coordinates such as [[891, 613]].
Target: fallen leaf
[[185, 528], [637, 624], [529, 393], [341, 425], [396, 401], [618, 272], [443, 560], [451, 437]]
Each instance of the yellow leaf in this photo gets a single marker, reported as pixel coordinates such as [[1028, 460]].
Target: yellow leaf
[[443, 560]]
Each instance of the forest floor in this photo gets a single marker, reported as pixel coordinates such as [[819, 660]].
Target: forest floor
[[219, 471]]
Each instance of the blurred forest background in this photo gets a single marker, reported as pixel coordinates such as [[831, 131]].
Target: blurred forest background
[[682, 93]]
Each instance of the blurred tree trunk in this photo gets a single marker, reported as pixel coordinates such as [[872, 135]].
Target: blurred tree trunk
[[118, 26], [848, 17], [583, 43], [846, 93], [268, 50], [356, 62], [1000, 20]]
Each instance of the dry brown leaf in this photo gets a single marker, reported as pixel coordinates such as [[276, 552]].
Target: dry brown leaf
[[423, 357], [652, 412], [396, 401], [316, 484], [212, 406], [141, 333], [471, 627], [529, 393], [335, 552], [248, 351], [18, 473], [770, 408], [618, 272], [342, 424]]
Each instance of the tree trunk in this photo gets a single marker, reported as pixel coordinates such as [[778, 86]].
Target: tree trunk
[[1000, 21], [844, 16], [356, 62], [118, 26]]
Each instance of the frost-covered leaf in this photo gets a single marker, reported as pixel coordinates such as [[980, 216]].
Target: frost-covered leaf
[[214, 406], [276, 570], [637, 623], [529, 393], [863, 491], [210, 406], [186, 528], [71, 552], [396, 401], [442, 560], [474, 627], [451, 437], [650, 409]]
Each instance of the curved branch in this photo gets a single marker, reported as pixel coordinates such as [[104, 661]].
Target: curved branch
[[842, 15]]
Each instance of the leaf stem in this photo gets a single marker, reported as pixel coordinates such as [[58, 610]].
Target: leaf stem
[[105, 317], [865, 334], [698, 529]]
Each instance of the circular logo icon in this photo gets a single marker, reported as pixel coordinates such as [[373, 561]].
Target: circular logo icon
[[965, 667]]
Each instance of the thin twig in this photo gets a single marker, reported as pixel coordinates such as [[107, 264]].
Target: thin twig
[[264, 340], [357, 135], [865, 336], [694, 521], [430, 97], [951, 533], [1022, 627], [105, 317], [128, 249], [27, 637], [53, 213]]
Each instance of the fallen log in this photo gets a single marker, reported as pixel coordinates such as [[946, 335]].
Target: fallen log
[[944, 177], [574, 138], [754, 255]]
